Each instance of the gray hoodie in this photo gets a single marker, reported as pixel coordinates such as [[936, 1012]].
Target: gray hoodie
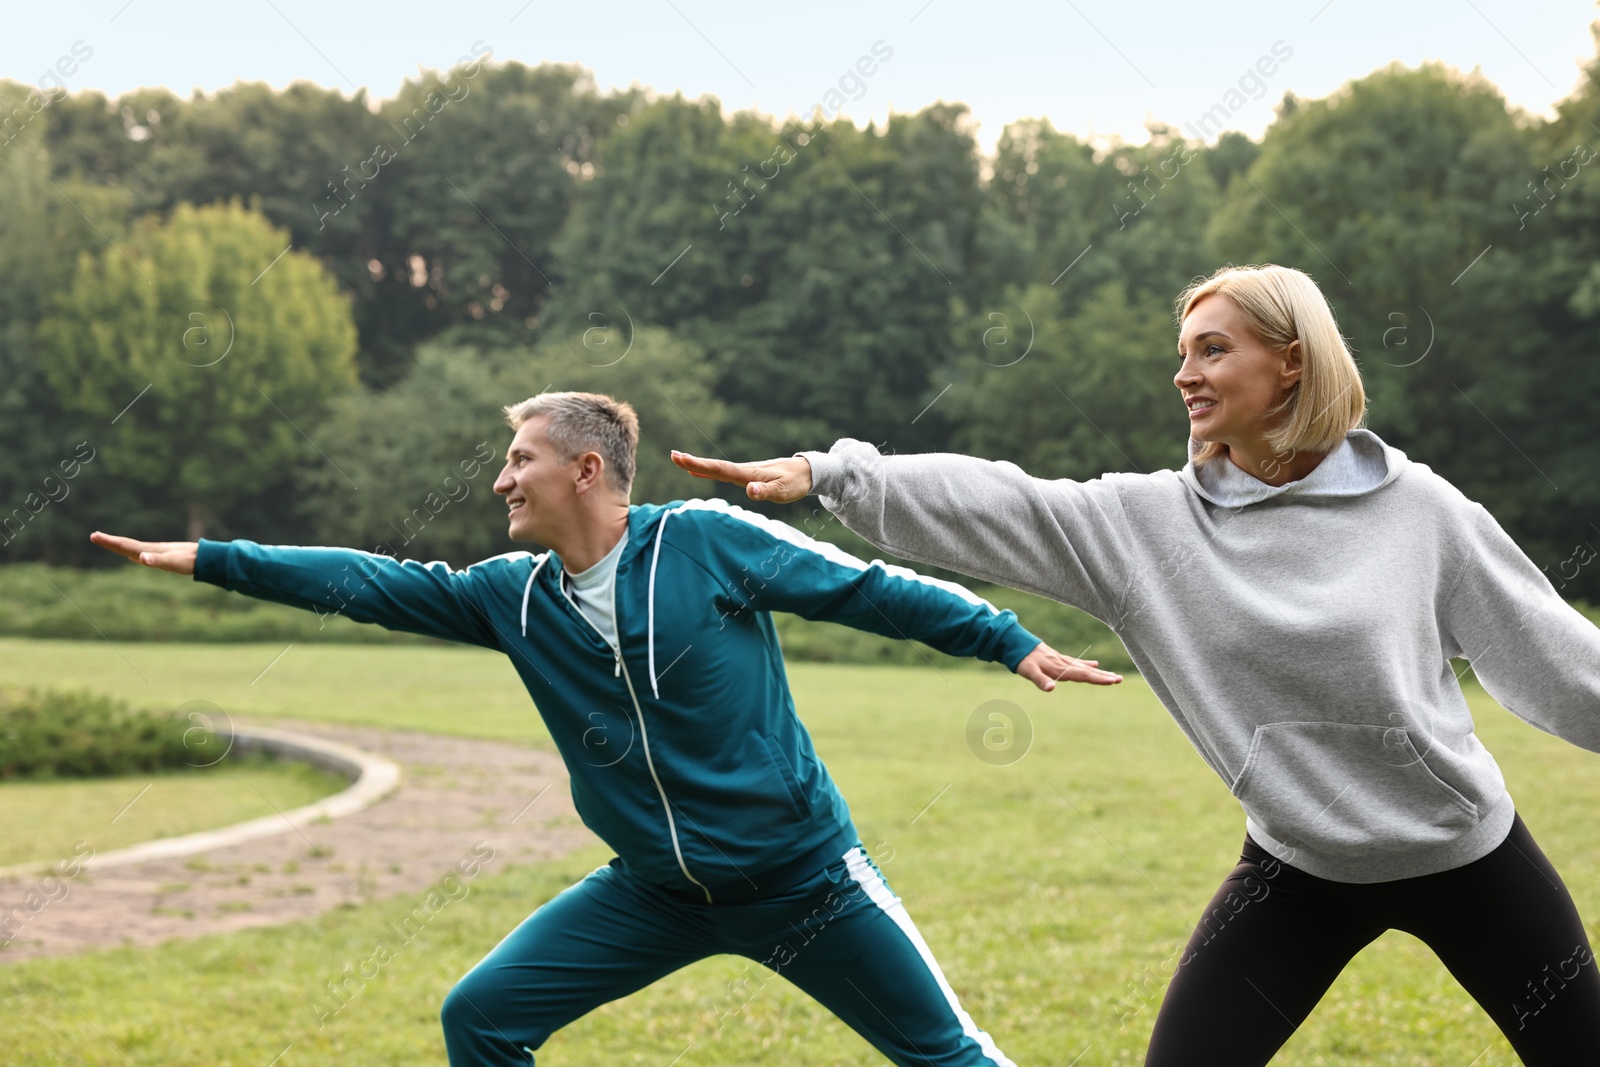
[[1301, 635]]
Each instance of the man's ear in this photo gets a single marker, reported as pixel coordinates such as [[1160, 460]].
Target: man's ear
[[591, 471]]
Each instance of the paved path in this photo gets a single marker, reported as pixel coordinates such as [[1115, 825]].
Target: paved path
[[454, 794]]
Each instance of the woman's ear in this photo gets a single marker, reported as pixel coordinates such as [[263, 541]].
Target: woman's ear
[[1293, 364]]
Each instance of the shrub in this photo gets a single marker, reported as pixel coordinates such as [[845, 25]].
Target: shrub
[[74, 734]]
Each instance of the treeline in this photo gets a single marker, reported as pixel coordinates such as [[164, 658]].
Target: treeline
[[294, 316]]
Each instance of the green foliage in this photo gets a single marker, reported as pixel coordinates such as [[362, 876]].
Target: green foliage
[[832, 281], [1069, 394], [234, 337], [1130, 214], [369, 191], [113, 141], [74, 734], [482, 234], [46, 225], [814, 246], [281, 152]]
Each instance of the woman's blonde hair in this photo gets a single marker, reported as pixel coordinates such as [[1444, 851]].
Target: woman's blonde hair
[[1280, 305]]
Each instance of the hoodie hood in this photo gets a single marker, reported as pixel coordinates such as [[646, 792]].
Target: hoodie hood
[[1361, 464]]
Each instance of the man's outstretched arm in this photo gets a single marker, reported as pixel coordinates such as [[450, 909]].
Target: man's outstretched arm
[[422, 598], [781, 569]]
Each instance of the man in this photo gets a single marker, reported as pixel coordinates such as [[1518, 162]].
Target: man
[[643, 636]]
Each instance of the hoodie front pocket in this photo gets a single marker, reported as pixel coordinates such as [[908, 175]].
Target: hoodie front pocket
[[1344, 790], [785, 773]]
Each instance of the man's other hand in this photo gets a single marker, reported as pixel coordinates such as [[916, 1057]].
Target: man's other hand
[[1044, 667]]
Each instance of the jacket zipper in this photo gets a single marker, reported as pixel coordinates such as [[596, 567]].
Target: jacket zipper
[[672, 826], [644, 736]]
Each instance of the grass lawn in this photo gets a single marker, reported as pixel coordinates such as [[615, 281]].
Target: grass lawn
[[44, 819], [443, 689], [1052, 889]]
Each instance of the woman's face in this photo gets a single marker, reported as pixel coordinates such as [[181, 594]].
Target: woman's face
[[1229, 378]]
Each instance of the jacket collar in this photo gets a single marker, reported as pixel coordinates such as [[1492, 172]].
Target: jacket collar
[[640, 518]]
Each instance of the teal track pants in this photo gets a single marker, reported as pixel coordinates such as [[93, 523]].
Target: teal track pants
[[841, 936]]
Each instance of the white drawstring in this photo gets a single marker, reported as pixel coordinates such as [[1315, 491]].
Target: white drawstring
[[650, 621], [529, 589]]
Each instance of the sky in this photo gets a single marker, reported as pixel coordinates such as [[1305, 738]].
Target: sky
[[1095, 68]]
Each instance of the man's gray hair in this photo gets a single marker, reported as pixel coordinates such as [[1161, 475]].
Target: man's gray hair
[[586, 422]]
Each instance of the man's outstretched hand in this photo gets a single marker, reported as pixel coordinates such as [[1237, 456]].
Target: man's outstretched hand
[[1044, 667], [782, 481], [174, 556]]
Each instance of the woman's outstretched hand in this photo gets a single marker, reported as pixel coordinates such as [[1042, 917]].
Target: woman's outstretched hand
[[175, 556], [1044, 667], [782, 481]]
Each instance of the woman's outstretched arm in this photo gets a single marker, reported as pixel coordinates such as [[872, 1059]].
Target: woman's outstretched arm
[[1533, 652], [1061, 539]]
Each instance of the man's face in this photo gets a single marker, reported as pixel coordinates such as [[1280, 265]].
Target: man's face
[[538, 486]]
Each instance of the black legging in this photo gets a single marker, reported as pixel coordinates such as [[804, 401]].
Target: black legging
[[1274, 938]]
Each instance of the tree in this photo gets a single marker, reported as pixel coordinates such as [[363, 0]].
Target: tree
[[206, 345], [1555, 274], [1069, 395], [48, 496], [1131, 214], [370, 190], [485, 162], [816, 255], [109, 142]]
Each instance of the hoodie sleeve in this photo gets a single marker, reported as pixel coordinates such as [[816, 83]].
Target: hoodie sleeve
[[770, 566], [420, 598], [1533, 652], [989, 519]]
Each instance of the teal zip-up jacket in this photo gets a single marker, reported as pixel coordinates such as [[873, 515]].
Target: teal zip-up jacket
[[685, 752]]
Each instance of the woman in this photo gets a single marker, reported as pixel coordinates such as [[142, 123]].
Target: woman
[[1294, 596]]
